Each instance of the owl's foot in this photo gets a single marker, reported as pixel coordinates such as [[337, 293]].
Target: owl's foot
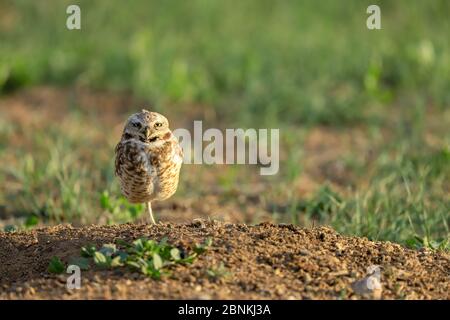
[[150, 212]]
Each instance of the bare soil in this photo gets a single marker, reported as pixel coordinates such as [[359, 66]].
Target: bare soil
[[264, 261]]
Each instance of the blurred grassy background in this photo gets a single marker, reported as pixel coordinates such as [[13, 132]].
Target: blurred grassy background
[[296, 61], [364, 114]]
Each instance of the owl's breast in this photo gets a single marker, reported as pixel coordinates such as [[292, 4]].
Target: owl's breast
[[135, 171], [146, 174]]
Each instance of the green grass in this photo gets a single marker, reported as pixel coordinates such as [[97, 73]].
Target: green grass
[[297, 66], [402, 194]]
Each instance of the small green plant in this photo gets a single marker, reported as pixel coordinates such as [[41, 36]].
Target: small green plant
[[31, 221], [218, 272], [202, 247], [88, 251], [423, 242], [149, 257], [56, 266], [10, 228]]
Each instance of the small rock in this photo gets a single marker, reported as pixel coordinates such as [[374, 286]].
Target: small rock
[[307, 278], [368, 286], [304, 252], [199, 223]]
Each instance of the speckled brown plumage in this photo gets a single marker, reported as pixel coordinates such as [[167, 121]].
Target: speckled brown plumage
[[148, 159]]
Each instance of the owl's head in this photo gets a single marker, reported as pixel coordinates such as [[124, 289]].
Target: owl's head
[[147, 127]]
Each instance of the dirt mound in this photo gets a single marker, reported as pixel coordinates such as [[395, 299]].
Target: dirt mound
[[265, 261]]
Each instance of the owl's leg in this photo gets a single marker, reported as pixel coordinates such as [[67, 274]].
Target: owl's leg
[[150, 212]]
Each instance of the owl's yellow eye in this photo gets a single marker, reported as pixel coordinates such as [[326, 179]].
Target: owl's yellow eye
[[158, 125]]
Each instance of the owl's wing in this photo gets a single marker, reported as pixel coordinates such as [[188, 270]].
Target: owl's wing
[[132, 158], [178, 152]]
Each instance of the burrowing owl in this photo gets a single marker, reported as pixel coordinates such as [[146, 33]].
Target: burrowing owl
[[148, 159]]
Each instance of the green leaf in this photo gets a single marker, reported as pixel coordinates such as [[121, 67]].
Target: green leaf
[[200, 248], [163, 242], [82, 262], [189, 259], [88, 251], [56, 266], [149, 245], [101, 260], [116, 262], [157, 261], [139, 245], [175, 254], [108, 249], [218, 271], [134, 264], [145, 270], [122, 255], [155, 274]]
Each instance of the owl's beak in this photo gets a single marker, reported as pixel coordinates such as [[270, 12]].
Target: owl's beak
[[147, 132]]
